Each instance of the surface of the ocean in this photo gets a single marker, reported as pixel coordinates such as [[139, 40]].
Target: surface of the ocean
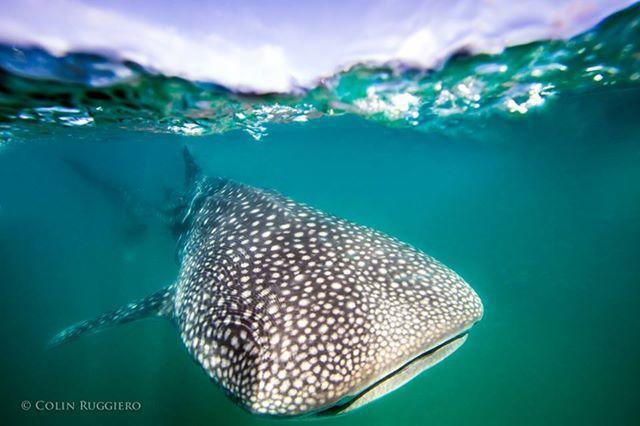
[[519, 171]]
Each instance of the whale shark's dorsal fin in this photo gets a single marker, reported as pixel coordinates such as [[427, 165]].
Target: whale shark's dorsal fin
[[191, 169], [159, 303]]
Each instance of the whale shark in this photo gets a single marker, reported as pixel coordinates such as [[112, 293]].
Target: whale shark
[[293, 311]]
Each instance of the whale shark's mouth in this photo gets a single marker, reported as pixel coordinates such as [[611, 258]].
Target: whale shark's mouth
[[399, 377]]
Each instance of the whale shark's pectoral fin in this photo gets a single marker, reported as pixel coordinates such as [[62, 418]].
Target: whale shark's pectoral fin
[[159, 303]]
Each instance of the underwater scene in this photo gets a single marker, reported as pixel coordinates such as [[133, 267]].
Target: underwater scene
[[228, 216]]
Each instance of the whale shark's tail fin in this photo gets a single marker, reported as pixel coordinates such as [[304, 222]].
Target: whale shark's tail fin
[[139, 212], [159, 303]]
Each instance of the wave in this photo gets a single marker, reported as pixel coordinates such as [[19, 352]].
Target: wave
[[83, 89]]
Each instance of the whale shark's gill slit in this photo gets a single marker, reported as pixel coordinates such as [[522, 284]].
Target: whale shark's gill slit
[[231, 270], [231, 266]]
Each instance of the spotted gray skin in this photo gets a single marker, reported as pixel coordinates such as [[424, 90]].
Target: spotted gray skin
[[292, 310]]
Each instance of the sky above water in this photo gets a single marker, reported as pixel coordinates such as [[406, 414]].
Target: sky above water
[[277, 45]]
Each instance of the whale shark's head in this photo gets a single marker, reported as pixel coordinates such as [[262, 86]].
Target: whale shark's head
[[367, 346], [412, 339], [296, 312]]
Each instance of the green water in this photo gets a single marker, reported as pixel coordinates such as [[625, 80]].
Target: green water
[[538, 209], [540, 214]]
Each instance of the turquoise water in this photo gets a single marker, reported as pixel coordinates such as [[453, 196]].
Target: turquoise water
[[538, 211]]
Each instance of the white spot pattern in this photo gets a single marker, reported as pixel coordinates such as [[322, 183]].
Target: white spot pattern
[[290, 309]]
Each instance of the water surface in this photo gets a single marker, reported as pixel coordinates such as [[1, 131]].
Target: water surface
[[538, 210]]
